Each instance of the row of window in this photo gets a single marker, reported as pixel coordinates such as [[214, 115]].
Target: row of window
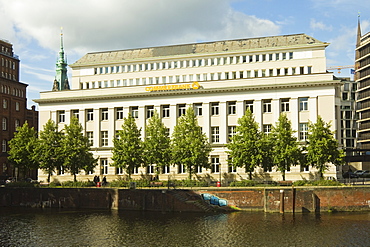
[[4, 124], [215, 134], [195, 63], [199, 77], [181, 109], [14, 91], [8, 76], [5, 104], [7, 63]]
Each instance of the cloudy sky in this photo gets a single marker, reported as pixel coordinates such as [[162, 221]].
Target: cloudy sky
[[33, 27]]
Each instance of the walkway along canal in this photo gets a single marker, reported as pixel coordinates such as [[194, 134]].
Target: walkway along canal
[[276, 199]]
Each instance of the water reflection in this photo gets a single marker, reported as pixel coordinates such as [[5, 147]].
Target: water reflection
[[36, 227]]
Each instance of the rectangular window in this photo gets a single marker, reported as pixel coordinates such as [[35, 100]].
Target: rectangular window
[[165, 110], [104, 166], [150, 169], [231, 167], [90, 137], [4, 146], [198, 169], [17, 106], [215, 108], [284, 104], [166, 170], [249, 105], [267, 128], [215, 134], [75, 113], [309, 70], [104, 114], [119, 113], [266, 106], [181, 169], [61, 116], [231, 130], [119, 171], [149, 111], [181, 109], [305, 168], [303, 131], [90, 114], [231, 108], [303, 104], [215, 164], [104, 138], [135, 111], [198, 109], [135, 170]]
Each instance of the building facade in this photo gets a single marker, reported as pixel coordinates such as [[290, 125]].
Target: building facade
[[362, 77], [13, 110], [268, 75]]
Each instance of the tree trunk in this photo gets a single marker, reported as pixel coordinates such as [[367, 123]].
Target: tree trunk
[[250, 175]]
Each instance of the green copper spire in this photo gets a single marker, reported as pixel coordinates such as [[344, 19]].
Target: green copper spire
[[61, 78]]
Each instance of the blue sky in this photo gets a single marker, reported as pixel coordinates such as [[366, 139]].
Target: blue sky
[[33, 27]]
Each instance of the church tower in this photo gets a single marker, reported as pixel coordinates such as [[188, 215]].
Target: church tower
[[61, 78]]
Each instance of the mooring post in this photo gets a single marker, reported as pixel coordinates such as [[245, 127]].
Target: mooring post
[[281, 201]]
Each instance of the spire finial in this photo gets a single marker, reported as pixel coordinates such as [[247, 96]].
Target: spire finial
[[358, 30]]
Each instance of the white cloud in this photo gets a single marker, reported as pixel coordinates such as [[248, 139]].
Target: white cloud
[[318, 25], [92, 25]]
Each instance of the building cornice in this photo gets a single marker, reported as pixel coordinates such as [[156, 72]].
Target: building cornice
[[100, 96]]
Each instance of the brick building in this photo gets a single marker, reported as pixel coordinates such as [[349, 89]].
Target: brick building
[[13, 109]]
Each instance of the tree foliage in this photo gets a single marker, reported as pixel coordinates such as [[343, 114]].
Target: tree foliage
[[156, 143], [75, 148], [190, 147], [246, 146], [49, 151], [286, 151], [322, 148], [22, 149], [128, 147]]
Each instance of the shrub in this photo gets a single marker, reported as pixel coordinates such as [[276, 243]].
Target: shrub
[[321, 182], [78, 184], [21, 184], [243, 183]]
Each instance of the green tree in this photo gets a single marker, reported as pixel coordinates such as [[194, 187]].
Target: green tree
[[322, 147], [266, 144], [49, 149], [76, 150], [245, 145], [22, 149], [286, 150], [128, 147], [156, 143], [190, 147]]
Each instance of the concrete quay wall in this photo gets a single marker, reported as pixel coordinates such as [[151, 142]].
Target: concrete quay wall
[[276, 199]]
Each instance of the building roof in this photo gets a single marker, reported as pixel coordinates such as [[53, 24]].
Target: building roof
[[196, 48]]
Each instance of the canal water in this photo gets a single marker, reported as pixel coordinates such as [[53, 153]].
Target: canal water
[[51, 227]]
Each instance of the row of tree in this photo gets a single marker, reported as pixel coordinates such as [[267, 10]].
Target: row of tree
[[249, 148], [68, 150], [188, 146]]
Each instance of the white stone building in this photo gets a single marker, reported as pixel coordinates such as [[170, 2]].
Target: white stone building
[[219, 79]]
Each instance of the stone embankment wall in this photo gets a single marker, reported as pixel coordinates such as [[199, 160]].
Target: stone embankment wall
[[276, 199]]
